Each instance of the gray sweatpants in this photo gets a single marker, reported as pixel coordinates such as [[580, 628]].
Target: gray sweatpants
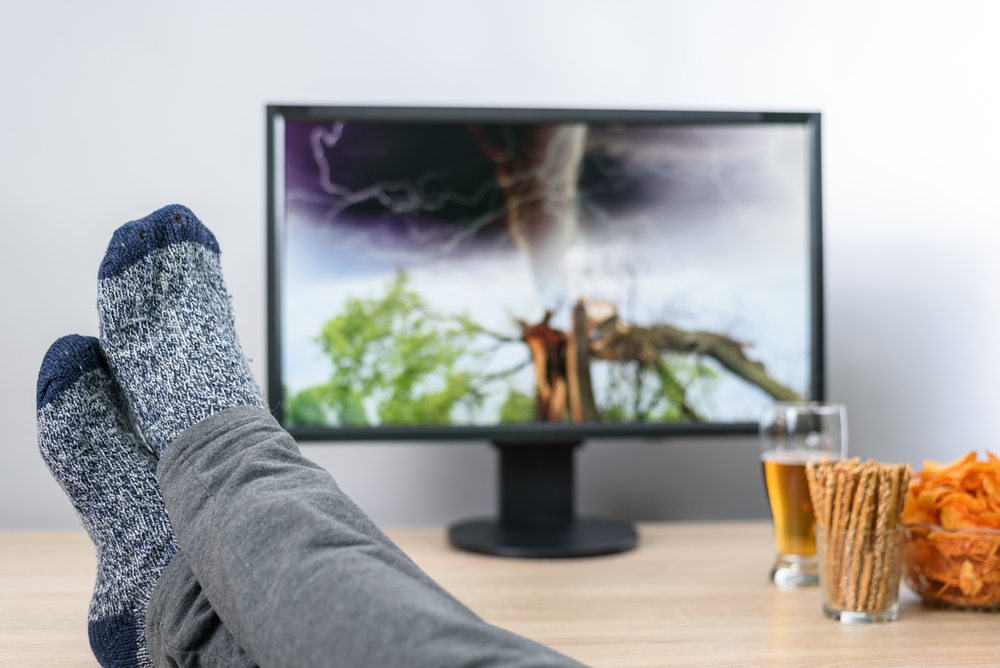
[[278, 567]]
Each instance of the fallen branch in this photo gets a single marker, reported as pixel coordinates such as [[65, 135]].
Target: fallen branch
[[617, 341]]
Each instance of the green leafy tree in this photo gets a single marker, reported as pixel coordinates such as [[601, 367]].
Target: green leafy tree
[[517, 407], [393, 355], [308, 408]]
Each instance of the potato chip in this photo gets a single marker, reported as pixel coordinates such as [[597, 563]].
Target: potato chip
[[960, 563], [968, 581]]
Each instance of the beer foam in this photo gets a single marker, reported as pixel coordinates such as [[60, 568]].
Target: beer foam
[[797, 457]]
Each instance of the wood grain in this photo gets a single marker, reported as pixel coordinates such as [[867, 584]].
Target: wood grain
[[46, 580], [690, 595], [693, 595]]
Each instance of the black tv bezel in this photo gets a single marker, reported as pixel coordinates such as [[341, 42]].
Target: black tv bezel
[[536, 433]]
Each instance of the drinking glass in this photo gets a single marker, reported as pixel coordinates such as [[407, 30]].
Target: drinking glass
[[792, 434]]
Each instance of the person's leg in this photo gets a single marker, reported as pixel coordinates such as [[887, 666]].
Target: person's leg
[[297, 573], [87, 442], [183, 630]]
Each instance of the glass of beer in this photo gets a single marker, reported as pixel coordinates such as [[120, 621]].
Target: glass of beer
[[791, 436]]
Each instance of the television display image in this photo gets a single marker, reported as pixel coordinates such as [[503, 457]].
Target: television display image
[[565, 273]]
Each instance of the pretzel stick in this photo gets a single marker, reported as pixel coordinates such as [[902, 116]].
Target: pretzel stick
[[816, 489], [904, 487], [866, 490], [848, 565], [881, 492], [895, 474], [882, 519], [890, 578], [866, 530], [850, 491], [891, 566], [815, 493], [829, 487], [833, 565], [842, 478], [891, 521], [866, 575]]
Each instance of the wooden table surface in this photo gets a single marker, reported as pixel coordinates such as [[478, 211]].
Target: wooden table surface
[[690, 595]]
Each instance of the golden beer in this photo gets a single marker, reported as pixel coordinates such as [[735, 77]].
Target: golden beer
[[791, 507]]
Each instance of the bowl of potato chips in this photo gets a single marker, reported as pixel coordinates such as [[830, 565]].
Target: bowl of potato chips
[[950, 548]]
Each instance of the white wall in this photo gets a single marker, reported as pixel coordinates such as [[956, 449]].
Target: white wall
[[111, 110]]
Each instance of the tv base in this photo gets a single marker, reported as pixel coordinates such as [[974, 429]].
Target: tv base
[[584, 537]]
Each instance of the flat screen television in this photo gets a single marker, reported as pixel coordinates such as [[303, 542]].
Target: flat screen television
[[537, 277]]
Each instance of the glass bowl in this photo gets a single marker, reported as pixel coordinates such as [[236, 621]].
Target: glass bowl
[[952, 568]]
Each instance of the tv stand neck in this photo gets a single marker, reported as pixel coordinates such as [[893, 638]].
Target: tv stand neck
[[536, 484], [537, 518]]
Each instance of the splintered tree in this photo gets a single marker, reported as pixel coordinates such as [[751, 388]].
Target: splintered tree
[[549, 352], [562, 362]]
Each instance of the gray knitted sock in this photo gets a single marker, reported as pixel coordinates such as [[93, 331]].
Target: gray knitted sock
[[167, 325], [88, 444]]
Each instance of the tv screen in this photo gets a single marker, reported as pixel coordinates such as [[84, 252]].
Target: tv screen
[[540, 273]]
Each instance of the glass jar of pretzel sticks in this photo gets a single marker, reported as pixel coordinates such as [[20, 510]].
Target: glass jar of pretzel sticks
[[859, 574], [859, 507]]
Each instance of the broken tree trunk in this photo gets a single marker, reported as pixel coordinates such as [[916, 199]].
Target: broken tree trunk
[[548, 355], [582, 407], [620, 342]]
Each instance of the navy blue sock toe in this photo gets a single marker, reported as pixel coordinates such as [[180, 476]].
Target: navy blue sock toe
[[135, 240], [66, 360]]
